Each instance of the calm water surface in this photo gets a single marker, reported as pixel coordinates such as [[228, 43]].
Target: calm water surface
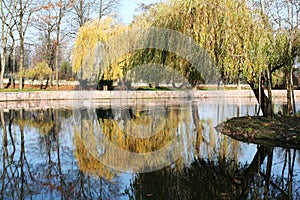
[[70, 153]]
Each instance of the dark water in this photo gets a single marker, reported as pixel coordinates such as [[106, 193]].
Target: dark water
[[139, 150]]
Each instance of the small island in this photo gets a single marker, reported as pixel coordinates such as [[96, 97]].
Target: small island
[[280, 131]]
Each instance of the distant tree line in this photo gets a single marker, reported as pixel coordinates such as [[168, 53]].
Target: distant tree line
[[35, 32]]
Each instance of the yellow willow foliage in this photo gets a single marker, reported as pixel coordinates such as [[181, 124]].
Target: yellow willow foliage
[[235, 149], [161, 12], [88, 163], [164, 133], [213, 144], [87, 48], [227, 29], [112, 134], [223, 151], [199, 138], [166, 71], [212, 138], [43, 127], [116, 69]]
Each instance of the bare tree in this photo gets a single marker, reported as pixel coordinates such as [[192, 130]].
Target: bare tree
[[48, 21], [58, 24], [45, 22], [82, 12], [107, 7], [85, 10], [23, 11], [6, 17], [64, 7]]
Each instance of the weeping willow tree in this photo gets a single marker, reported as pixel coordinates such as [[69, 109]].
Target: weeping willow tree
[[87, 53], [173, 54], [236, 38]]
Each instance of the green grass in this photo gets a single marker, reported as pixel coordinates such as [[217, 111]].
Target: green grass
[[145, 88], [19, 90], [206, 88], [27, 90]]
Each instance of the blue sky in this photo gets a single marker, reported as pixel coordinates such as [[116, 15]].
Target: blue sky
[[128, 7]]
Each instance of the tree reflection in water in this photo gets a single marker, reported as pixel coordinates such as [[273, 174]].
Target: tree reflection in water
[[206, 179], [44, 156], [40, 166]]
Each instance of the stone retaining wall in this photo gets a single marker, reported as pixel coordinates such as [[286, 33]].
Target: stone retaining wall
[[71, 95], [70, 99]]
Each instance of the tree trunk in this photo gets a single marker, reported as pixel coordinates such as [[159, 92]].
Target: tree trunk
[[5, 157], [60, 15], [21, 64], [13, 61], [56, 69], [21, 35], [289, 89], [269, 81], [41, 86], [48, 55], [12, 56], [268, 174], [3, 63], [101, 9], [3, 43], [263, 100], [253, 169]]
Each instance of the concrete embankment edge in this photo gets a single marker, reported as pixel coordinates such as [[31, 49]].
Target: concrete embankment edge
[[71, 99], [73, 95]]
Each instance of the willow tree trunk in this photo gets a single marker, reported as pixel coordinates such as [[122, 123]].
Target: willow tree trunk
[[264, 101], [253, 169]]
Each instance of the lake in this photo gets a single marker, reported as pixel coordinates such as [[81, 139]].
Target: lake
[[139, 149]]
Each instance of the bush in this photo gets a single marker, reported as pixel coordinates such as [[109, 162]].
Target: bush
[[40, 71]]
